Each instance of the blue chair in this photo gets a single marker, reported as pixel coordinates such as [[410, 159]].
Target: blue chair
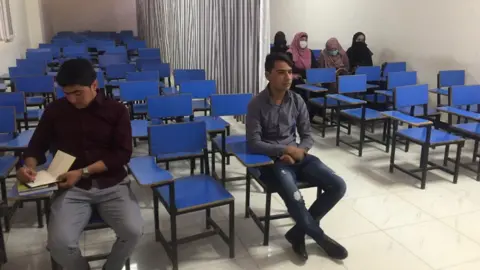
[[17, 100], [144, 76], [116, 50], [184, 75], [447, 78], [111, 59], [95, 223], [394, 79], [201, 90], [34, 86], [185, 194], [118, 71], [141, 62], [134, 45], [354, 85], [149, 53], [26, 71], [316, 53], [40, 54], [393, 67], [419, 131], [55, 49], [374, 74], [227, 105], [162, 68], [136, 93], [8, 130], [461, 98]]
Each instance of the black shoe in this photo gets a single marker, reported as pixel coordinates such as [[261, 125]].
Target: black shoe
[[298, 245], [333, 249]]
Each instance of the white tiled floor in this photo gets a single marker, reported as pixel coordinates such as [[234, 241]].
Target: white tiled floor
[[385, 221]]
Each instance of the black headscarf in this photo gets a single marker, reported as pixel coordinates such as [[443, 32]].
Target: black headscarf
[[359, 54], [279, 43]]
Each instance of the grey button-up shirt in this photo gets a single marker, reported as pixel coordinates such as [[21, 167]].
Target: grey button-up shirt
[[271, 128]]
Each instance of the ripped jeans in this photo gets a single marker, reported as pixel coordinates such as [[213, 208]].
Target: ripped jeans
[[283, 178]]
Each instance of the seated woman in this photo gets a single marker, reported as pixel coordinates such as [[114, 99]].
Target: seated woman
[[302, 58], [359, 54], [333, 56], [279, 43]]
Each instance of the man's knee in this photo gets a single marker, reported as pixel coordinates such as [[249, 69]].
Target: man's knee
[[131, 231], [61, 243]]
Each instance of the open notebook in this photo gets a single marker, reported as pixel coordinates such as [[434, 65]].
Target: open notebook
[[61, 163]]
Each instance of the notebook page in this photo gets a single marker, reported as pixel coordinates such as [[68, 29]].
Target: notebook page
[[61, 163], [43, 178]]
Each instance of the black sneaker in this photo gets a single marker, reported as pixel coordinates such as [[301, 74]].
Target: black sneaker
[[333, 249], [298, 245]]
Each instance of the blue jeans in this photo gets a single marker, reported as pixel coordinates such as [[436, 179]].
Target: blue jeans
[[283, 177]]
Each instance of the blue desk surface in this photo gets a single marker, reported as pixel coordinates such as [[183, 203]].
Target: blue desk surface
[[239, 150], [147, 173], [214, 123], [346, 99], [19, 143], [460, 112], [414, 121], [311, 88]]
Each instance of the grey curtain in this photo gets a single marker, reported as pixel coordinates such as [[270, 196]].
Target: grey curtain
[[224, 37]]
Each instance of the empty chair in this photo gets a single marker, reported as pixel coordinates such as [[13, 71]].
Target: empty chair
[[111, 59], [419, 131], [373, 75], [393, 67], [200, 90], [136, 44], [184, 75], [445, 79], [394, 79], [149, 53], [136, 93], [143, 62], [34, 87], [118, 71], [144, 76], [40, 54], [17, 100]]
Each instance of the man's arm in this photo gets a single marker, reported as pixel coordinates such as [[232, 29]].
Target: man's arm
[[40, 141], [121, 147], [303, 126], [254, 134]]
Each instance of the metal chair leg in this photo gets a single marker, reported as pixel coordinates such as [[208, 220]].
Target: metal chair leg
[[268, 205]]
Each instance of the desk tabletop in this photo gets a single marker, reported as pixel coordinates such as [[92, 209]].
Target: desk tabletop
[[214, 123], [239, 150], [18, 143]]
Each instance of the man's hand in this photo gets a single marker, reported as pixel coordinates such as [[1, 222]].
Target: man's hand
[[296, 153], [287, 159], [69, 179], [26, 175]]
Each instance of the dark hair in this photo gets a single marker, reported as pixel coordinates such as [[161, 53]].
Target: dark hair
[[280, 39], [274, 57], [76, 72]]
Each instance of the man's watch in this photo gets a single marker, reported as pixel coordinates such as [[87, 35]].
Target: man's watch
[[85, 173]]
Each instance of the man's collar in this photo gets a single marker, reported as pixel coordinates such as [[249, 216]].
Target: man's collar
[[286, 97]]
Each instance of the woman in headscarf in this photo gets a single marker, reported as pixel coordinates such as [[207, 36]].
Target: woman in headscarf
[[302, 57], [333, 56], [359, 54], [279, 43]]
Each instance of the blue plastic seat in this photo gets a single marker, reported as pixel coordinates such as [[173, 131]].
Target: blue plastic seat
[[139, 128], [436, 137]]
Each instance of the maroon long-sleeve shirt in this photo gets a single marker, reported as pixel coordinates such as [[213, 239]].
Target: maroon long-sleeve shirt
[[102, 131]]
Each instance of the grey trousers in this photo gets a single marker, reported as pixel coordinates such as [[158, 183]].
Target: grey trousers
[[70, 213]]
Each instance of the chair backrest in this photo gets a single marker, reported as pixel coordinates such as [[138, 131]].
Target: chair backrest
[[35, 84], [138, 91], [352, 84], [460, 95], [100, 80], [374, 73], [393, 67], [75, 49], [169, 106], [115, 50], [40, 54], [396, 79], [40, 64], [134, 44], [55, 49], [143, 76], [119, 71], [141, 62], [14, 99], [199, 89], [185, 137], [316, 53], [447, 78], [26, 71], [185, 75], [410, 95], [149, 53], [321, 75], [162, 68], [8, 122], [230, 104], [111, 59], [59, 92]]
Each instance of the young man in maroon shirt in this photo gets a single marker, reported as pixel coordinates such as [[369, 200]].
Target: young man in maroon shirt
[[96, 130]]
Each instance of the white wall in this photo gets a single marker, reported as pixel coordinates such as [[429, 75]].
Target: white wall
[[94, 15], [25, 18], [430, 35]]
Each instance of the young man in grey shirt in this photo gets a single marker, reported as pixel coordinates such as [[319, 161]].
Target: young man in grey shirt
[[272, 119]]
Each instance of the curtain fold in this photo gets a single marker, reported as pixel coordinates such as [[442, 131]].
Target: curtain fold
[[227, 38]]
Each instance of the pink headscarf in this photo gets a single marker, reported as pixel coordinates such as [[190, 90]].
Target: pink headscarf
[[334, 61], [301, 57]]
